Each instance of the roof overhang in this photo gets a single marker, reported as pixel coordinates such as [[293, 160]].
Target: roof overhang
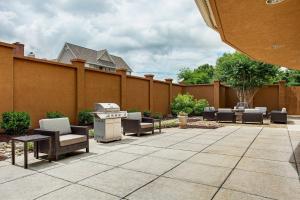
[[265, 32]]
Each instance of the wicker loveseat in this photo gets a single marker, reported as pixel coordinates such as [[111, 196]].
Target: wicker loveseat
[[135, 123], [64, 137], [226, 115], [253, 116]]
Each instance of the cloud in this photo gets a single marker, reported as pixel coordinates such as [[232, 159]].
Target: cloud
[[159, 36]]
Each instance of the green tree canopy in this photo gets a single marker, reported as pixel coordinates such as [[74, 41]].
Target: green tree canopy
[[244, 74], [201, 75]]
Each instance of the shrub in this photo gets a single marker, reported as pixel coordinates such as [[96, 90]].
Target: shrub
[[181, 113], [91, 133], [147, 113], [157, 115], [183, 103], [131, 110], [199, 106], [56, 114], [16, 123], [85, 117]]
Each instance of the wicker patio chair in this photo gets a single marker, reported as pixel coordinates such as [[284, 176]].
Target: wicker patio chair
[[278, 116], [209, 113], [135, 123], [226, 115], [253, 116], [64, 137], [264, 111]]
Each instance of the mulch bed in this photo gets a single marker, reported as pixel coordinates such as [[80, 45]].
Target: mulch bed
[[204, 125]]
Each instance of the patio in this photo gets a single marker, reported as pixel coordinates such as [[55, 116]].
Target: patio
[[232, 162]]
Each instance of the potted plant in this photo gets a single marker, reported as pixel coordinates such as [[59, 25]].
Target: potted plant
[[182, 117]]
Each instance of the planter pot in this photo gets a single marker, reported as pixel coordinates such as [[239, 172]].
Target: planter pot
[[182, 121]]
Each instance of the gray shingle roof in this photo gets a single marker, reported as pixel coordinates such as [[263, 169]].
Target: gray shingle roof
[[94, 57]]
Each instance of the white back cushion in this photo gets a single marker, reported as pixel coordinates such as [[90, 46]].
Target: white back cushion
[[262, 109], [135, 115], [209, 109], [252, 111], [224, 110], [58, 124]]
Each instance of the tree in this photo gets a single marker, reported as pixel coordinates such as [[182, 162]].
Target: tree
[[201, 75], [292, 77], [244, 74]]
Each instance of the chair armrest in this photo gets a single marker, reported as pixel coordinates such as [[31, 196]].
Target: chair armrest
[[79, 130], [131, 122], [148, 119], [45, 132]]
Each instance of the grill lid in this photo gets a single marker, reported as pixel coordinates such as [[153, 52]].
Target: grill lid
[[106, 107]]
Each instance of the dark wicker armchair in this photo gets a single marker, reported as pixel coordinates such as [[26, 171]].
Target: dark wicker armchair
[[64, 137], [226, 115], [252, 116], [209, 113], [135, 123], [278, 116]]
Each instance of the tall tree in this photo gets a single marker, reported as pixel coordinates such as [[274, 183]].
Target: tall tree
[[201, 75], [244, 74]]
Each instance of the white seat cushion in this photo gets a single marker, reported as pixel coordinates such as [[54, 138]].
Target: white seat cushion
[[146, 125], [135, 115], [69, 139], [58, 124]]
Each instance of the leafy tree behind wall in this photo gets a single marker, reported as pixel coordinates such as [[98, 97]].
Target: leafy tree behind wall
[[201, 75], [244, 74]]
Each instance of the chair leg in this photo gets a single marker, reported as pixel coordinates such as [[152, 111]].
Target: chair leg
[[87, 150], [152, 131]]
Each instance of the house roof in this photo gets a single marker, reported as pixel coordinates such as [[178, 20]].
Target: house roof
[[101, 57]]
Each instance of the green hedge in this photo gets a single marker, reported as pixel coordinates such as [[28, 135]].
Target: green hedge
[[85, 117], [56, 114], [187, 104]]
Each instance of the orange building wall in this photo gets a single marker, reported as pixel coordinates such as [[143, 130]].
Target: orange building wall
[[137, 93], [230, 97], [161, 97], [101, 87], [41, 87]]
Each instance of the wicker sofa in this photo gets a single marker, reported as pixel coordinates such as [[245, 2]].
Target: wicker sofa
[[225, 115], [64, 137], [135, 123], [252, 116]]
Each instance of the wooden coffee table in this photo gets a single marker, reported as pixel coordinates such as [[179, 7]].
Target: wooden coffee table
[[29, 138]]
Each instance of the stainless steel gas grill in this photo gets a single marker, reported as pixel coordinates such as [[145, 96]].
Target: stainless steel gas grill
[[107, 122]]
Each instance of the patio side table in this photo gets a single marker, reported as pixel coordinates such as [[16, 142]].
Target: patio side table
[[29, 138]]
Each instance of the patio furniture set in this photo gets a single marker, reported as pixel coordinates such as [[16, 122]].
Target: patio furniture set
[[243, 113], [56, 137]]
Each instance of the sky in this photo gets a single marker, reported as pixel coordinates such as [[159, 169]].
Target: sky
[[157, 36]]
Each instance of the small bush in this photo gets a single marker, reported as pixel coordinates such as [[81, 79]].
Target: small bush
[[91, 133], [157, 115], [15, 123], [181, 113], [56, 114], [85, 117], [183, 103], [131, 110], [147, 113], [199, 106]]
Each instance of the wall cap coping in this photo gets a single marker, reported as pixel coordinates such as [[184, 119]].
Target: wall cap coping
[[78, 60], [169, 80], [7, 45], [121, 69], [149, 76]]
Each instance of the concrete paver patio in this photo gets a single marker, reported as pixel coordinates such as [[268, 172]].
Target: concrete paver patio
[[231, 163]]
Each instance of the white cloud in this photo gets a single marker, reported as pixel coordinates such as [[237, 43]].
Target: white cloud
[[158, 36]]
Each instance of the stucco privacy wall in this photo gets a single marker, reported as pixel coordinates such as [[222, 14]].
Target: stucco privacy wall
[[38, 86]]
